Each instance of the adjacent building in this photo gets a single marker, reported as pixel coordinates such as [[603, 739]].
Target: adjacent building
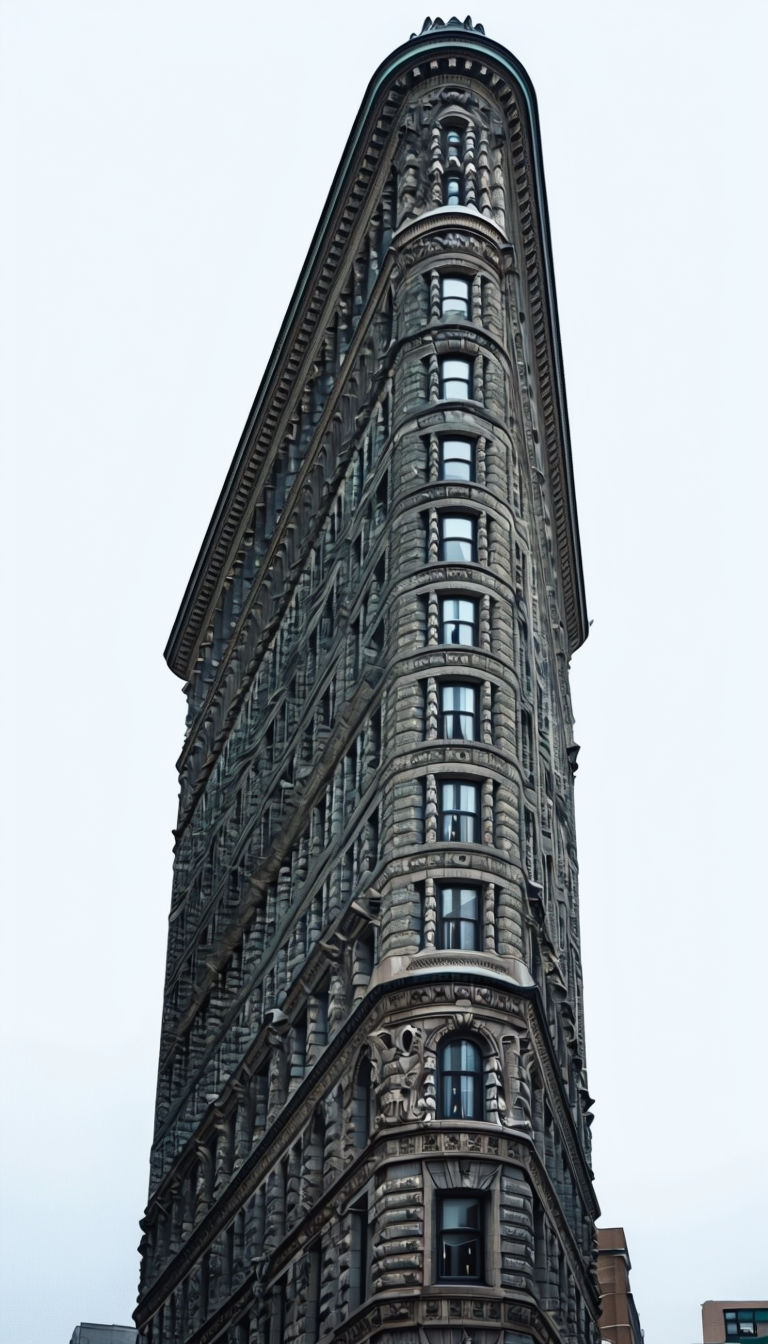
[[372, 1113], [723, 1322], [619, 1321], [90, 1333]]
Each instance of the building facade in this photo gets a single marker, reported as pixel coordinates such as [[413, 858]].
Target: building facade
[[372, 1113], [619, 1321]]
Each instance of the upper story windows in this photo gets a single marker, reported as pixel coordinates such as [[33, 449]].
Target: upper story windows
[[458, 711], [460, 1230], [458, 918], [453, 156], [458, 811], [458, 538], [455, 378], [460, 1071], [458, 620], [455, 296], [457, 459]]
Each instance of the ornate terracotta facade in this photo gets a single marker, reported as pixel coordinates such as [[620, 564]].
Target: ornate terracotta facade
[[372, 1111]]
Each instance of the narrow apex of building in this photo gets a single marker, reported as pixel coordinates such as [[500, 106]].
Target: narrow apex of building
[[432, 25]]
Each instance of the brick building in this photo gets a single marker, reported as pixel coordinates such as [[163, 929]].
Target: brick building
[[372, 1109]]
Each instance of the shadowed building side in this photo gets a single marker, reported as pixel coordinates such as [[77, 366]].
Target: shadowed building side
[[372, 1115]]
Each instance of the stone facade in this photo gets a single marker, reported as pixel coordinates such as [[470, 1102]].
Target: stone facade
[[372, 1113]]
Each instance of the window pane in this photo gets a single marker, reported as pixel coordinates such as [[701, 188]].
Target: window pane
[[454, 295], [460, 1239], [457, 538], [459, 812], [453, 141], [457, 460], [459, 621], [459, 712], [453, 189], [455, 379]]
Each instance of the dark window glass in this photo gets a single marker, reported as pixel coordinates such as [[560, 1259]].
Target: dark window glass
[[460, 1238], [458, 620], [457, 460], [458, 711], [455, 379], [458, 538], [459, 811], [454, 296], [458, 925], [460, 1069]]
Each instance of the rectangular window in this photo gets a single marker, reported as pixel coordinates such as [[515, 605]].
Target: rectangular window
[[359, 1254], [458, 711], [458, 538], [460, 1239], [314, 1277], [457, 460], [454, 296], [455, 379], [459, 818], [458, 910], [458, 620]]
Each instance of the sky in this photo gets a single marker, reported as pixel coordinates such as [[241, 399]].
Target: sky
[[164, 163]]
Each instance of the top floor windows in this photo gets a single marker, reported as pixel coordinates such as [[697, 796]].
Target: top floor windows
[[454, 296], [455, 378], [453, 140], [453, 153]]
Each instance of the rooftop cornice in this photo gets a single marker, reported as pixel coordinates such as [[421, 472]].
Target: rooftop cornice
[[421, 58]]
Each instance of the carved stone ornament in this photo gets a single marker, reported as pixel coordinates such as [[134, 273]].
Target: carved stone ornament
[[398, 1073]]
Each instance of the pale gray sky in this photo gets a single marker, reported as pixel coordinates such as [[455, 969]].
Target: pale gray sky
[[164, 166]]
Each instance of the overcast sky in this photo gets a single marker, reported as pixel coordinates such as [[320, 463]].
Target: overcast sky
[[164, 165]]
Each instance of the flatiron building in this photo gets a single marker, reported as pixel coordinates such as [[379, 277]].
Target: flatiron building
[[372, 1117]]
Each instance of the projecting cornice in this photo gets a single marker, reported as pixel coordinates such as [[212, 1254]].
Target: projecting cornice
[[451, 51]]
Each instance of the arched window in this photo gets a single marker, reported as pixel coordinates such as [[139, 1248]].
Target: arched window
[[361, 1103], [460, 1070]]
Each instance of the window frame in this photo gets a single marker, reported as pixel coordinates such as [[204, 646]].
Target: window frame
[[464, 312], [476, 1200], [449, 922], [459, 713], [458, 814], [476, 1074], [456, 381], [456, 539], [460, 623], [448, 441]]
